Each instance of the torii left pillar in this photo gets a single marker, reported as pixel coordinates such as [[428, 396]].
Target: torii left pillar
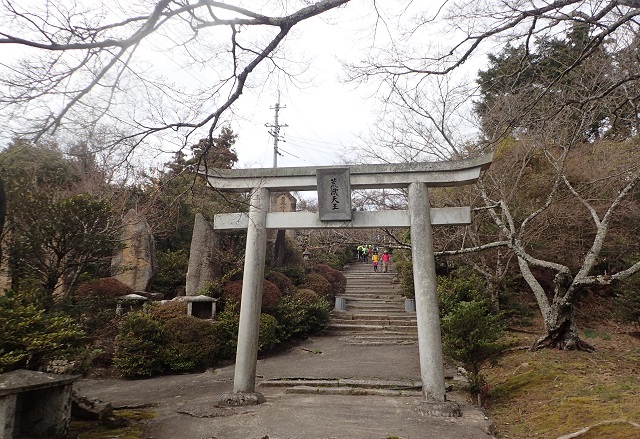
[[244, 382]]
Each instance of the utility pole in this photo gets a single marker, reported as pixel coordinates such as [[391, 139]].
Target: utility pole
[[275, 132]]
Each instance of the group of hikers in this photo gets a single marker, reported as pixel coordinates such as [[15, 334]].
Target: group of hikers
[[368, 253]]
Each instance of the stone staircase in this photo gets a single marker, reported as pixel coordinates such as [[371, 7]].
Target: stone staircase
[[375, 312]]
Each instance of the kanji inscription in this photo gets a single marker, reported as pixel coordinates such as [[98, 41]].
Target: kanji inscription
[[334, 194]]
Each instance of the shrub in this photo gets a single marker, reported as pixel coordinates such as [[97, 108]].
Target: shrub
[[469, 335], [232, 292], [215, 288], [226, 325], [470, 331], [281, 281], [628, 299], [302, 313], [138, 346], [270, 294], [94, 303], [30, 337], [169, 310], [101, 289], [295, 272], [320, 285], [403, 265], [191, 344], [268, 333], [453, 290], [305, 295], [336, 261], [164, 339], [337, 280], [226, 328]]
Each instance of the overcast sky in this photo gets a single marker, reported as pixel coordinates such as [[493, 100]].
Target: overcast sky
[[325, 117]]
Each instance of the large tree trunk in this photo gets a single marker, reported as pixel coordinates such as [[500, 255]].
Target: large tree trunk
[[560, 330]]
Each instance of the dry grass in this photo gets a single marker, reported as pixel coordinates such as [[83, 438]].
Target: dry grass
[[549, 393]]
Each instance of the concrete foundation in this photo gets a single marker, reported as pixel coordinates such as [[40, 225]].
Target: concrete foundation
[[241, 399], [447, 409]]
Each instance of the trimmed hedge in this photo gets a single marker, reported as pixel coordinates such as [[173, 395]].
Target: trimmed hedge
[[320, 285], [337, 280], [270, 294], [138, 346], [148, 344], [163, 339], [302, 313]]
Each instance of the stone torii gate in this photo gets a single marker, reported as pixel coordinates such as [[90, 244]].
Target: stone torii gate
[[334, 185]]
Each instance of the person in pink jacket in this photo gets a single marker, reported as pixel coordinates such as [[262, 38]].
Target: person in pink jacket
[[386, 257]]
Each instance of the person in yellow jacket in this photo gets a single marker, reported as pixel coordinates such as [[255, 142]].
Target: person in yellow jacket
[[374, 261]]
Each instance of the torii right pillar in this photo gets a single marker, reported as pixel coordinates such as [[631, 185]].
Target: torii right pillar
[[427, 314]]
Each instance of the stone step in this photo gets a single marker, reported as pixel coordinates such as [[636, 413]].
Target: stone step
[[381, 321], [364, 307], [372, 277], [372, 296], [335, 327], [351, 391], [374, 338], [381, 340], [401, 316], [374, 313], [346, 383], [387, 335], [373, 299]]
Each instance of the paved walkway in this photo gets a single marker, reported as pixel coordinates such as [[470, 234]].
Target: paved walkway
[[186, 405]]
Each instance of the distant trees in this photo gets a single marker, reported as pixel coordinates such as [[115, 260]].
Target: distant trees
[[563, 204], [56, 234], [558, 105]]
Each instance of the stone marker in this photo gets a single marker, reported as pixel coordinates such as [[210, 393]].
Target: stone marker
[[203, 267], [135, 264]]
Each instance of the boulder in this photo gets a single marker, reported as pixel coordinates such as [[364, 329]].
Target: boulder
[[90, 409], [135, 264]]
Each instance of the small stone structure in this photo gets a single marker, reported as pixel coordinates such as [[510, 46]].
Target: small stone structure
[[35, 404], [129, 302], [203, 267], [135, 264], [202, 307]]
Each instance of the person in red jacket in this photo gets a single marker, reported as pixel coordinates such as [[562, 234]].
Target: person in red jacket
[[386, 257]]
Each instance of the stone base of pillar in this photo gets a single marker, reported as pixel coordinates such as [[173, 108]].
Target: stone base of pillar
[[341, 303], [241, 399], [446, 409]]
